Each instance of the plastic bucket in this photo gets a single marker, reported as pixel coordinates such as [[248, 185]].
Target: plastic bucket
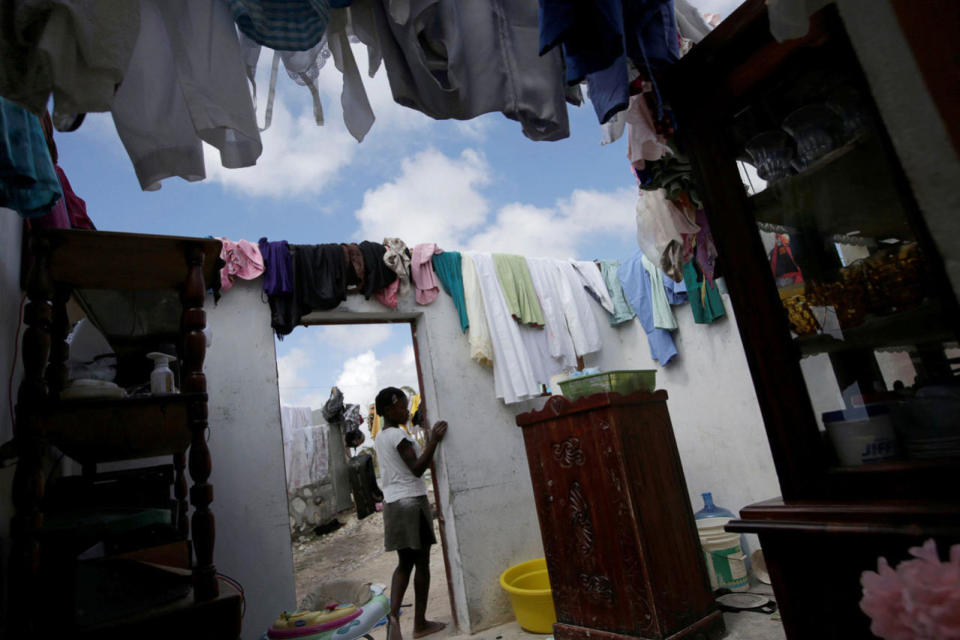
[[726, 562], [528, 586], [862, 435]]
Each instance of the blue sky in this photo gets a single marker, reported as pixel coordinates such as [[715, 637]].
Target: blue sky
[[479, 185]]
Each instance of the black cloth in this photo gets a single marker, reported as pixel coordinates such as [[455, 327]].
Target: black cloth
[[377, 275], [320, 274], [284, 307]]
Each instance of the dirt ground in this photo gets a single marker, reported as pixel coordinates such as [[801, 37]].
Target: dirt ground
[[356, 551]]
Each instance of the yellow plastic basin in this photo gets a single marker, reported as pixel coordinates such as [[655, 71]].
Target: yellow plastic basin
[[528, 586]]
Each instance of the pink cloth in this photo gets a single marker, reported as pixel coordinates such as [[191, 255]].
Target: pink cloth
[[388, 295], [243, 260], [643, 143], [69, 212], [421, 268], [76, 207]]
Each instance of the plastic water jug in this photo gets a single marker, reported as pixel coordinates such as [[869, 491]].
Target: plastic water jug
[[722, 551]]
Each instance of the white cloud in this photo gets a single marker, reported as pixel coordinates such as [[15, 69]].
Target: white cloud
[[364, 375], [289, 379], [434, 199], [353, 337], [527, 230], [299, 158]]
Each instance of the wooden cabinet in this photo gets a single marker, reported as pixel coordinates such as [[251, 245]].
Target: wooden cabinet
[[618, 532], [45, 573], [789, 150]]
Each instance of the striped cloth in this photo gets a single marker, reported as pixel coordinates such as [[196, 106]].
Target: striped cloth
[[285, 25]]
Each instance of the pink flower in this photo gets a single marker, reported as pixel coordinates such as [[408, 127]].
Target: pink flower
[[919, 600]]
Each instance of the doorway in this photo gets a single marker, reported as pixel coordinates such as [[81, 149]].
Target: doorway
[[332, 533]]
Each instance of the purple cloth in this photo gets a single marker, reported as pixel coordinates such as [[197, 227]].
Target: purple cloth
[[278, 267], [706, 251]]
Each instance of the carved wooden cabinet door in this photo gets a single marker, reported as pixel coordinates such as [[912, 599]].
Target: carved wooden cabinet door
[[595, 470]]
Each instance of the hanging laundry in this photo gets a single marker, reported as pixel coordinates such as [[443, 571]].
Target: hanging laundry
[[592, 280], [690, 23], [663, 317], [577, 309], [643, 142], [355, 268], [346, 25], [76, 207], [481, 345], [705, 301], [277, 267], [660, 228], [294, 25], [454, 59], [78, 51], [320, 273], [376, 274], [284, 305], [28, 180], [559, 341], [447, 266], [637, 289], [521, 362], [421, 270], [598, 38], [185, 85], [396, 257], [706, 250], [622, 311], [521, 298], [676, 292], [241, 259]]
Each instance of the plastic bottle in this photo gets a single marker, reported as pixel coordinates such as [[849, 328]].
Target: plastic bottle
[[161, 378], [711, 510]]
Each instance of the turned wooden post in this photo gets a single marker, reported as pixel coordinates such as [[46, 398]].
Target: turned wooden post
[[193, 381], [28, 477], [59, 349], [180, 493]]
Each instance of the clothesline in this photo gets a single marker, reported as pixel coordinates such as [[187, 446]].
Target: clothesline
[[528, 319]]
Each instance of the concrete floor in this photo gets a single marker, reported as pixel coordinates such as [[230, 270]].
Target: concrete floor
[[356, 551]]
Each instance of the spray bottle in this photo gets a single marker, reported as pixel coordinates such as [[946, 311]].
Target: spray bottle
[[161, 379]]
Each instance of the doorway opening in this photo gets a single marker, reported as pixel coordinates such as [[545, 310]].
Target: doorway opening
[[329, 375]]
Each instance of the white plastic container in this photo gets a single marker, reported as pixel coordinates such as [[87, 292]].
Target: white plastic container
[[862, 435], [161, 378]]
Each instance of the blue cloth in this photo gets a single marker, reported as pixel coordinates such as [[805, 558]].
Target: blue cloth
[[591, 33], [28, 180], [622, 311], [609, 90], [598, 37], [637, 289], [447, 267], [287, 25], [676, 291]]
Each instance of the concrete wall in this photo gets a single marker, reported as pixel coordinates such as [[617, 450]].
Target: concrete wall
[[246, 446], [485, 489]]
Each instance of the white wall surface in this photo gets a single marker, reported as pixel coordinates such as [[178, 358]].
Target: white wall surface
[[246, 447], [485, 489]]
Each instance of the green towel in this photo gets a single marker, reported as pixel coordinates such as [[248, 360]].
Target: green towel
[[517, 287]]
